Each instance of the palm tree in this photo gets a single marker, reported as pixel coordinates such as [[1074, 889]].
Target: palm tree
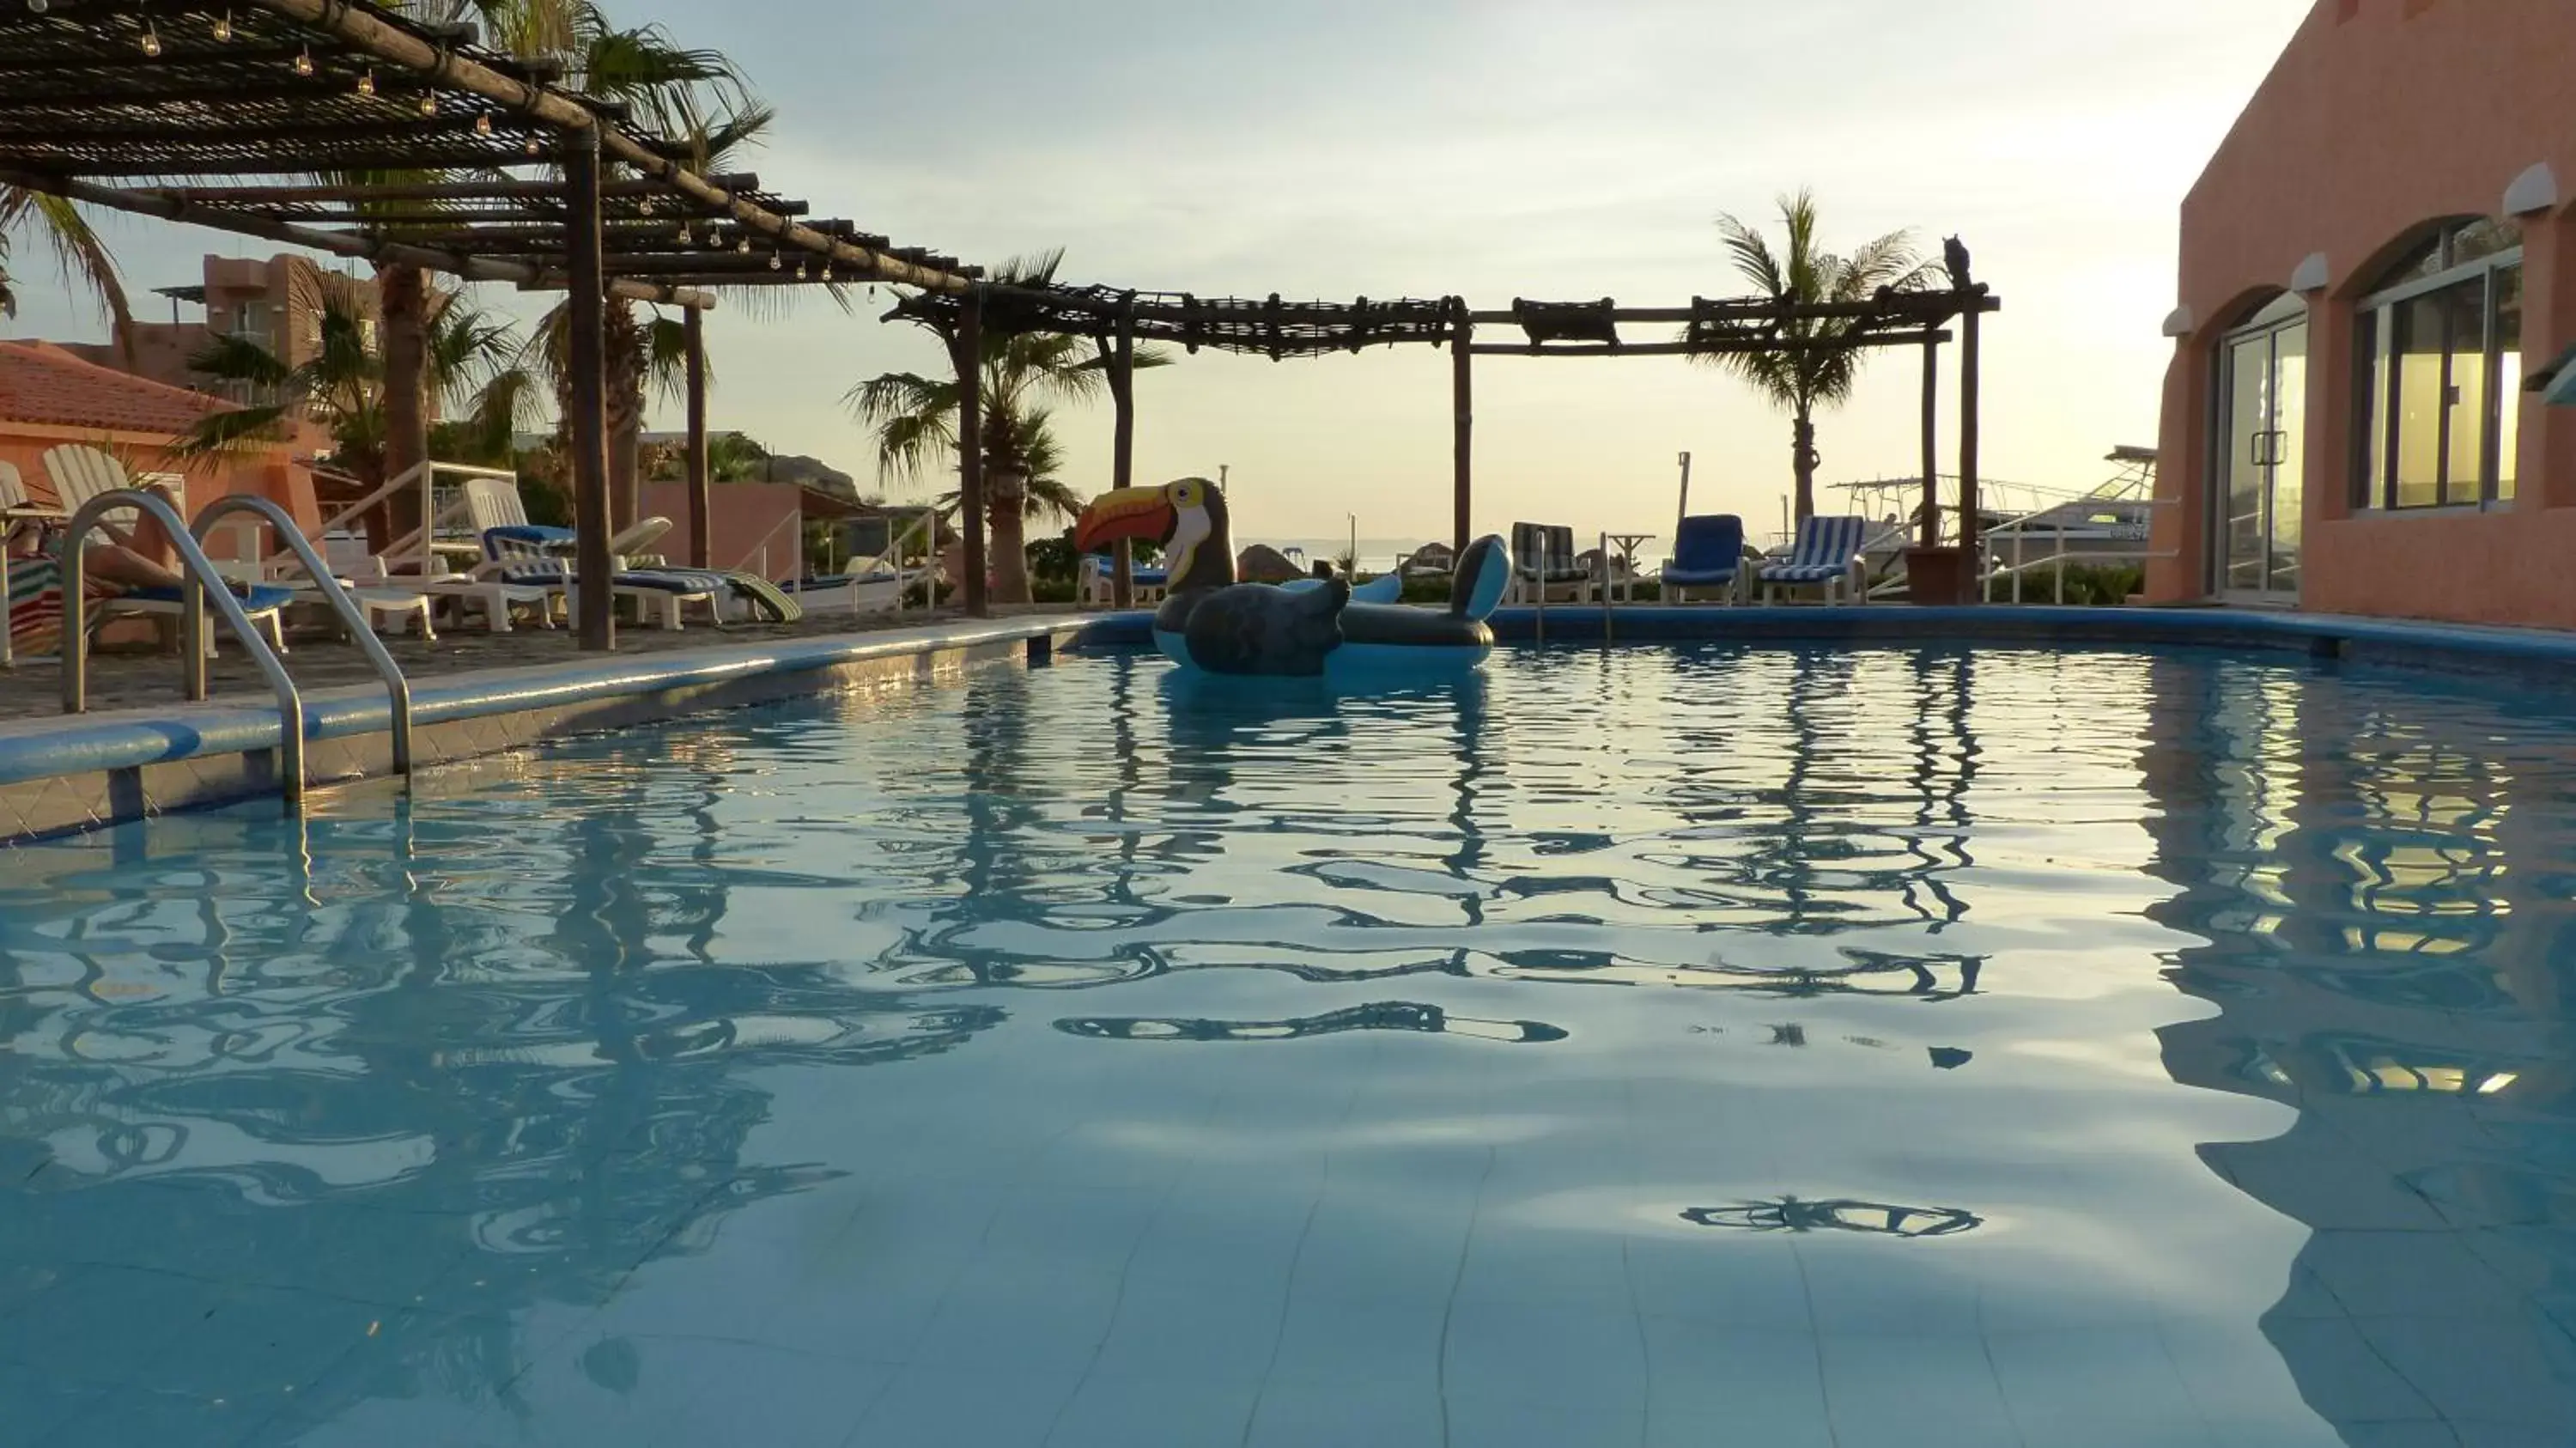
[[698, 95], [1810, 368], [914, 419], [342, 386], [76, 247]]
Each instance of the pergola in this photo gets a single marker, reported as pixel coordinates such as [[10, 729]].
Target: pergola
[[1909, 318], [366, 133]]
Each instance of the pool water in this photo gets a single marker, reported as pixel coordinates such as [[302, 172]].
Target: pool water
[[1646, 1047]]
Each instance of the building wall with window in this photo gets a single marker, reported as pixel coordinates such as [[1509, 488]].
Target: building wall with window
[[2367, 263]]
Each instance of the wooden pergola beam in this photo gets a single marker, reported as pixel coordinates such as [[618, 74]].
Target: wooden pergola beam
[[1699, 349], [430, 191], [471, 268], [395, 46]]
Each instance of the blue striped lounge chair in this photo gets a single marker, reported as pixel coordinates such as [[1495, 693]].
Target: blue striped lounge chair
[[1827, 556], [1543, 563], [1708, 555], [528, 555]]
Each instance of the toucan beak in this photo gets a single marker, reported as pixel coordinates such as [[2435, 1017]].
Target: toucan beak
[[1125, 513]]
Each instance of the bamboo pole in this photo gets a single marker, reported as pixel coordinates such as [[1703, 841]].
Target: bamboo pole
[[1968, 420], [587, 352], [1931, 521], [1462, 444], [967, 350], [701, 505]]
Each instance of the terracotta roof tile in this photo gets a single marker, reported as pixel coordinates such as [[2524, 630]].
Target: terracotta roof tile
[[43, 384]]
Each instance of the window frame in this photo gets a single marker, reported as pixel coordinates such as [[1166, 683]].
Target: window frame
[[2377, 424]]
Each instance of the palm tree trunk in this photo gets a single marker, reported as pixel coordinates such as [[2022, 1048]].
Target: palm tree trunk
[[1805, 463], [402, 297], [625, 406], [1007, 517]]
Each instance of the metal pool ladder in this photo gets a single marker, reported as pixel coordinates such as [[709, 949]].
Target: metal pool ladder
[[205, 581]]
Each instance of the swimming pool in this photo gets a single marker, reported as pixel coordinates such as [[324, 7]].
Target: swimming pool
[[1651, 1046]]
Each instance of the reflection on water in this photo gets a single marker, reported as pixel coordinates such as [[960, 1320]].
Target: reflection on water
[[1391, 1016], [1789, 1214], [2241, 989]]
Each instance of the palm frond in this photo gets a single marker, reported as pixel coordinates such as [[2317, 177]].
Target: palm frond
[[82, 257], [231, 357], [222, 436]]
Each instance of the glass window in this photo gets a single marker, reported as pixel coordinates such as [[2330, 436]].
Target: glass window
[[2440, 396]]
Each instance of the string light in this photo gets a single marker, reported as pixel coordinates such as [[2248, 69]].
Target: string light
[[827, 271], [367, 81], [742, 247], [151, 40], [775, 263], [223, 26], [531, 146], [482, 123], [38, 7], [800, 271], [429, 103], [684, 233], [304, 61]]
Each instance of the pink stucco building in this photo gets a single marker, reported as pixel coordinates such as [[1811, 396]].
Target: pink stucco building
[[2371, 264]]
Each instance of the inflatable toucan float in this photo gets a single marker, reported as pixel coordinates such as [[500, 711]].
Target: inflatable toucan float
[[1314, 628]]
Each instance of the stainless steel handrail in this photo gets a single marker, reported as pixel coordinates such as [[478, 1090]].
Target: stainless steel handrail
[[352, 617], [203, 580]]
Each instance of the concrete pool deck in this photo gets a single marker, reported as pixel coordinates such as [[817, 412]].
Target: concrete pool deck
[[474, 695]]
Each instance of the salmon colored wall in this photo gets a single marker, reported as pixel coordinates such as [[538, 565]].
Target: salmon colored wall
[[744, 515], [2384, 115], [268, 473]]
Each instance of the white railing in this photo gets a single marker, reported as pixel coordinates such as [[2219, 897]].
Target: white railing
[[420, 546], [2023, 564]]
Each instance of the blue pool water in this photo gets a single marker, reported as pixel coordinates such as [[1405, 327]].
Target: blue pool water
[[1645, 1047]]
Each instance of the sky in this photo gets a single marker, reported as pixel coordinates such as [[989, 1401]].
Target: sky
[[1488, 148]]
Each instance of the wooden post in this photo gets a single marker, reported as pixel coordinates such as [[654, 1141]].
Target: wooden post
[[968, 351], [1462, 386], [701, 506], [587, 355], [1122, 456], [1931, 522], [1968, 442]]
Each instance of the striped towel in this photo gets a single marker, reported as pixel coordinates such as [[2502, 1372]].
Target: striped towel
[[36, 601]]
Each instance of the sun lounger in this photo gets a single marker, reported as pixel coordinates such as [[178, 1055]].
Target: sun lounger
[[530, 556], [1543, 565], [1827, 555], [1099, 581], [1708, 555]]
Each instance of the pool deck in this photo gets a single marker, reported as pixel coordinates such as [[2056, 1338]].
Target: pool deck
[[147, 752]]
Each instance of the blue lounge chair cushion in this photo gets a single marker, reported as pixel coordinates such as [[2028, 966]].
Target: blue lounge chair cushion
[[525, 538], [1142, 577], [1824, 551], [546, 573], [1707, 552], [262, 599], [1545, 553]]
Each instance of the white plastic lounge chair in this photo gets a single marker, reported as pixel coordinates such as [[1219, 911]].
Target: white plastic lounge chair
[[527, 555], [81, 473], [1827, 555]]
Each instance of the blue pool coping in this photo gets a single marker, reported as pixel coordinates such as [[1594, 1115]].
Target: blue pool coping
[[45, 748], [2400, 642]]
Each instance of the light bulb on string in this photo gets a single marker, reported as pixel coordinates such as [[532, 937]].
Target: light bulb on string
[[304, 61], [800, 271], [775, 264], [742, 247], [429, 103], [827, 271], [367, 81], [532, 146], [151, 41], [483, 123], [223, 26], [38, 7]]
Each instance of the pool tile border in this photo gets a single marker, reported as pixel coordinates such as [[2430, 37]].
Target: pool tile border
[[60, 776]]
